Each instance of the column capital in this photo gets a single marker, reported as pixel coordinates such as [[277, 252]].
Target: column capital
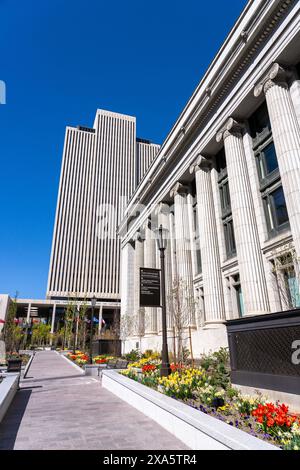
[[146, 225], [276, 75], [201, 163], [162, 208], [139, 236], [179, 188], [231, 127]]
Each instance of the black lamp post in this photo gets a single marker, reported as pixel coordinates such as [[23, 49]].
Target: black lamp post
[[94, 301], [161, 240]]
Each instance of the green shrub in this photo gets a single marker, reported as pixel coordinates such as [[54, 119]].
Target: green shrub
[[133, 356], [218, 367], [151, 354], [232, 393]]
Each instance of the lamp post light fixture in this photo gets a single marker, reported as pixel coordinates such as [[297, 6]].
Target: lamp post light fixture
[[94, 301], [161, 239]]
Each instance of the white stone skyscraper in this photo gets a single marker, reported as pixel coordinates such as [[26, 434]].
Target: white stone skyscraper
[[101, 167]]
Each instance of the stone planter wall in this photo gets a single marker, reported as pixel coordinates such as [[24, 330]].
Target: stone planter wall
[[195, 429], [8, 389]]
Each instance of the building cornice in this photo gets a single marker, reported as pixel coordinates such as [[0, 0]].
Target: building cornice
[[265, 18]]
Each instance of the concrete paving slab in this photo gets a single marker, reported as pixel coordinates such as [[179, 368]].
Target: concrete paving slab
[[59, 409]]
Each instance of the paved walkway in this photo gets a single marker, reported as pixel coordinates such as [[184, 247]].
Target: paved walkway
[[59, 408]]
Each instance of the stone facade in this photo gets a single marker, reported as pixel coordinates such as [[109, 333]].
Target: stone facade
[[225, 185]]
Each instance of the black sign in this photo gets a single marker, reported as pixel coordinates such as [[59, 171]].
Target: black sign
[[149, 287]]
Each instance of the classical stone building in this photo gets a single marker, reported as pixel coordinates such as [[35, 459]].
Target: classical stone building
[[226, 186]]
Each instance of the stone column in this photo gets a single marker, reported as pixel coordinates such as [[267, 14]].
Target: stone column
[[211, 266], [248, 249], [28, 314], [52, 322], [183, 253], [163, 212], [151, 327], [127, 280], [192, 230], [286, 135], [53, 319], [100, 320], [139, 312], [173, 245], [295, 93]]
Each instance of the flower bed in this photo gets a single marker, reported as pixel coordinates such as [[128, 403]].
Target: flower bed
[[208, 390], [81, 359]]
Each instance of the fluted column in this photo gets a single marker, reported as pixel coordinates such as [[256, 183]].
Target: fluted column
[[192, 231], [286, 135], [183, 252], [28, 314], [52, 323], [53, 319], [139, 312], [295, 93], [127, 280], [248, 249], [100, 317], [173, 245], [150, 262], [163, 212], [211, 268]]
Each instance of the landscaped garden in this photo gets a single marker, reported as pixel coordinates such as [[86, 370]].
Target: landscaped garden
[[207, 388]]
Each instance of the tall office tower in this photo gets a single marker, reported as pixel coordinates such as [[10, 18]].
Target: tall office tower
[[146, 153], [98, 176]]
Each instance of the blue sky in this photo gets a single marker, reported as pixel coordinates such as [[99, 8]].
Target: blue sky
[[63, 59]]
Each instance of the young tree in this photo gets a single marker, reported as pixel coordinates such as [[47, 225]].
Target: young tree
[[70, 315], [9, 331], [128, 327], [40, 335], [286, 278], [182, 305], [115, 331], [82, 316]]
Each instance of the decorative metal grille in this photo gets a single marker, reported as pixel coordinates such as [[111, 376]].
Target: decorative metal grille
[[267, 351]]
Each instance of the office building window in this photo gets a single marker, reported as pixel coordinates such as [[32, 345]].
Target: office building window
[[286, 271], [275, 208], [269, 177], [239, 295]]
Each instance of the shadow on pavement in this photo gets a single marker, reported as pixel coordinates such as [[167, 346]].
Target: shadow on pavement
[[46, 379], [11, 422]]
